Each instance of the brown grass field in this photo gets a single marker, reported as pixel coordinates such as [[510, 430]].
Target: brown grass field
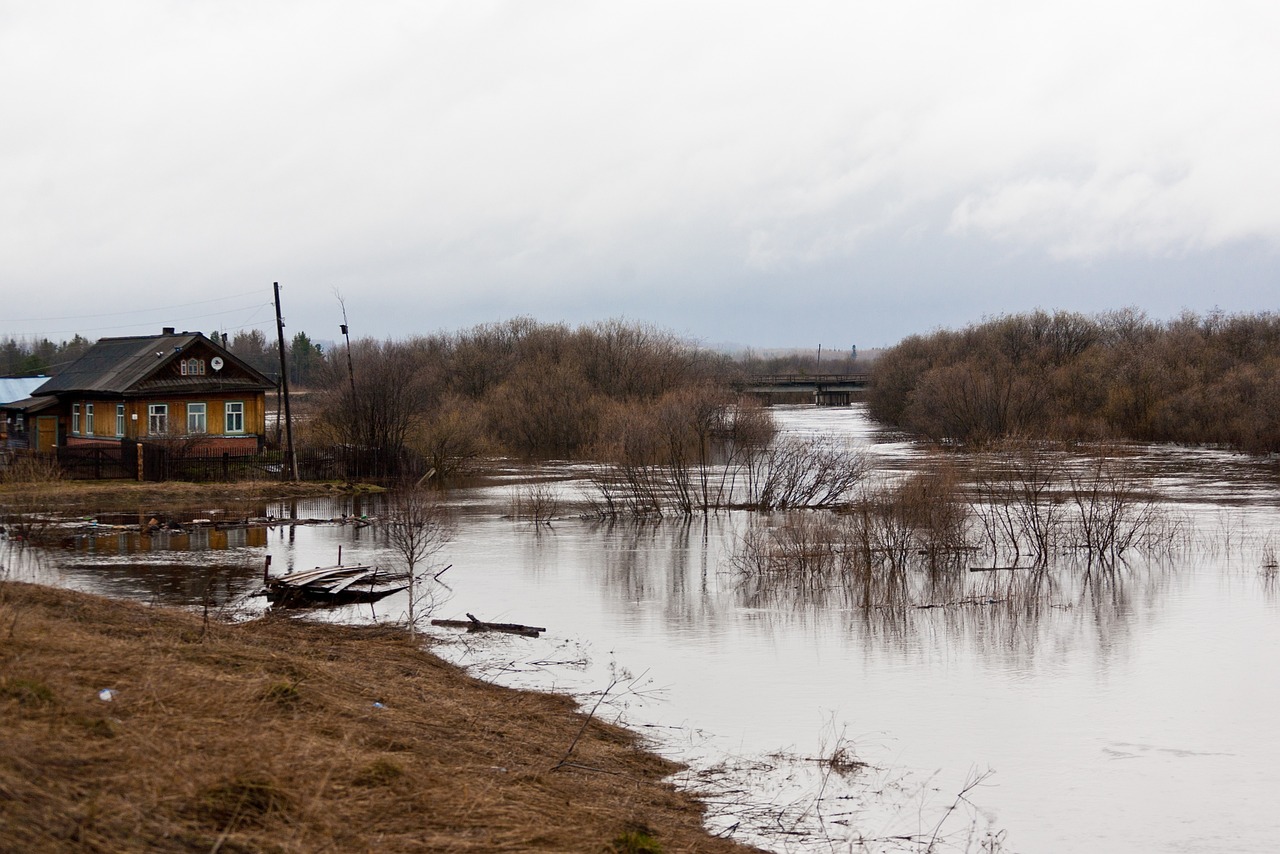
[[265, 737]]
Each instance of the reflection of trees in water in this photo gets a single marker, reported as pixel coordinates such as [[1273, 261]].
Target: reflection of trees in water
[[22, 562], [1004, 559], [668, 562], [1015, 610]]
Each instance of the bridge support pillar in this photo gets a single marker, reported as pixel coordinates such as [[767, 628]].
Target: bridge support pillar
[[832, 398]]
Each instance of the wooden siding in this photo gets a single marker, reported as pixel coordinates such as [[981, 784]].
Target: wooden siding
[[136, 412]]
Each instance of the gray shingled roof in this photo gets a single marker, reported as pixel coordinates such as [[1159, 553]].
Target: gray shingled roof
[[119, 365]]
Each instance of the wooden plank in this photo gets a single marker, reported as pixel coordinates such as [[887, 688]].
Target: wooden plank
[[306, 576], [352, 580]]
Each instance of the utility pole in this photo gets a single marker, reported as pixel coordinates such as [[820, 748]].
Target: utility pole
[[351, 371], [290, 456]]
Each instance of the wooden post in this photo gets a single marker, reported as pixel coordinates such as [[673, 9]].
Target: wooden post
[[291, 458]]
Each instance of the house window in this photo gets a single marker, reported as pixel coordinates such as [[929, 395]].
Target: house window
[[196, 418], [191, 367], [88, 418], [235, 417], [158, 419], [75, 419], [119, 419]]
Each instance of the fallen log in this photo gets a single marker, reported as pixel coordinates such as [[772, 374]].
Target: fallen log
[[474, 624]]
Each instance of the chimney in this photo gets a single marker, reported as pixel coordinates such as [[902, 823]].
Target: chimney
[[168, 330]]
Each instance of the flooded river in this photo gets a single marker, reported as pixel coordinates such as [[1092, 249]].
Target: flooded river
[[1130, 710]]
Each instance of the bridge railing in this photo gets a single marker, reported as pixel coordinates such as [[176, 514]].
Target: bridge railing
[[805, 379]]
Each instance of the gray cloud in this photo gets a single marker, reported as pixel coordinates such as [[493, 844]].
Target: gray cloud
[[759, 172]]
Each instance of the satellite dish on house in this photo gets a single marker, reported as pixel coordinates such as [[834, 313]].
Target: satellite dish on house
[[216, 363]]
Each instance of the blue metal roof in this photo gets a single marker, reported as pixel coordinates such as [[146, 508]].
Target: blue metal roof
[[18, 388]]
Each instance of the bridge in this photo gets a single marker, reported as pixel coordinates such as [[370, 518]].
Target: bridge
[[827, 389]]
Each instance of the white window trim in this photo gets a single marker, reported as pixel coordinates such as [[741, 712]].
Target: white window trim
[[88, 419], [119, 419], [75, 419], [154, 411], [200, 410], [228, 412]]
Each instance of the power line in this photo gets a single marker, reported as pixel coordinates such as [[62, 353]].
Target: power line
[[131, 312]]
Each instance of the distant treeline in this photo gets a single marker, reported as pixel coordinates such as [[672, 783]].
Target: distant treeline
[[519, 388], [35, 357], [1211, 379]]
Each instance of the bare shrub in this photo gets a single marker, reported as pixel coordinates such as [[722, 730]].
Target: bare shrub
[[535, 502], [544, 408], [976, 401], [804, 546], [1109, 514], [450, 438], [923, 516], [682, 453], [802, 472], [417, 528], [867, 551], [30, 496], [393, 390], [1016, 500]]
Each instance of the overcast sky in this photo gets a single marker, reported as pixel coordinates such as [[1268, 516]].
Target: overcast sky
[[768, 174]]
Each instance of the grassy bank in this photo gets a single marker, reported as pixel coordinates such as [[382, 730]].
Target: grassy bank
[[279, 735]]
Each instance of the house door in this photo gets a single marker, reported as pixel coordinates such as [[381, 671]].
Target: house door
[[46, 432]]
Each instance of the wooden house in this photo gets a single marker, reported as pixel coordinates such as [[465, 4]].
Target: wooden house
[[172, 388], [13, 425]]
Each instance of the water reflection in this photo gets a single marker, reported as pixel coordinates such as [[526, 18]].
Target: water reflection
[[164, 576], [1036, 671]]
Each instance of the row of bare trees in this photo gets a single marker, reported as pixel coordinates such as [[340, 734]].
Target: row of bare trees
[[1028, 506], [518, 388], [695, 450], [1197, 379]]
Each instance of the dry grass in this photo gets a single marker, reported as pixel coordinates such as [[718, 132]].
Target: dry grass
[[288, 736]]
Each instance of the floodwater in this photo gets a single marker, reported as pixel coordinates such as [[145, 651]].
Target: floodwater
[[1126, 710]]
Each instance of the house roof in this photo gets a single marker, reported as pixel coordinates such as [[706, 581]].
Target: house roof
[[119, 366], [16, 388], [29, 405]]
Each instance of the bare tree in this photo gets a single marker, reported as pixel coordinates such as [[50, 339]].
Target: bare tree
[[418, 527], [375, 415]]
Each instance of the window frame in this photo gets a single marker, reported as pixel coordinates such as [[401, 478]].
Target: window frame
[[75, 419], [88, 419], [157, 419], [197, 419], [233, 408], [119, 420]]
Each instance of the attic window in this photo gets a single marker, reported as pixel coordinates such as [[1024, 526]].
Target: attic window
[[191, 367]]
